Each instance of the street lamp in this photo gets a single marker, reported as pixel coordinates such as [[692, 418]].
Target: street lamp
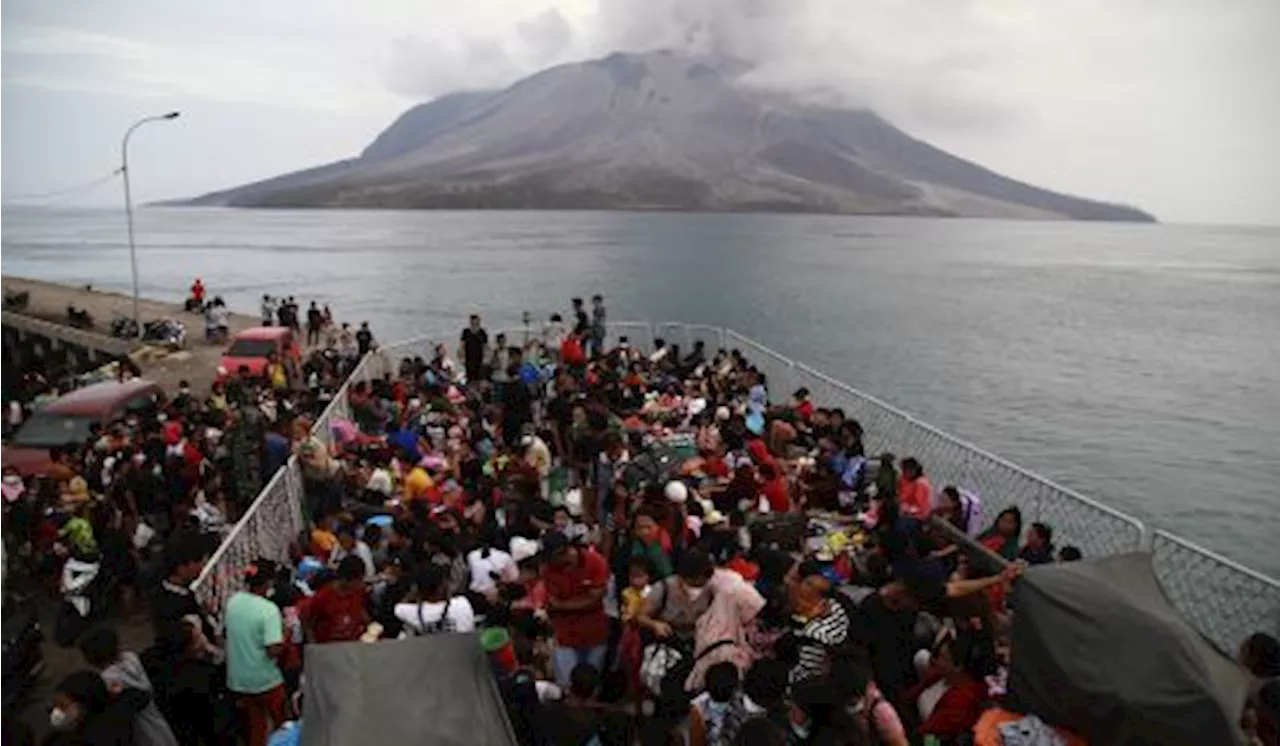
[[128, 207]]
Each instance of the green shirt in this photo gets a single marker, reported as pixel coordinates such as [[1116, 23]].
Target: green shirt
[[253, 623]]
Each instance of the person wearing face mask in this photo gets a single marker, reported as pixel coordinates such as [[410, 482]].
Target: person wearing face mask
[[86, 713], [672, 608]]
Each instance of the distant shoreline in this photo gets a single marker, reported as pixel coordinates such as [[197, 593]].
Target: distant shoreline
[[655, 209]]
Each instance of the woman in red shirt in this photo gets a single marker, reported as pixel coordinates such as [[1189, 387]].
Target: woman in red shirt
[[915, 494], [336, 613], [951, 692], [774, 488]]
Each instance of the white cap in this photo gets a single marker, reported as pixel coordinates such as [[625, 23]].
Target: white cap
[[696, 406], [714, 518], [522, 548], [676, 491], [722, 413]]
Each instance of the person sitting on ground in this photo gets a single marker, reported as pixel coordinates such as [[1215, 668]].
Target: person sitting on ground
[[101, 649], [951, 690], [1002, 537], [1260, 653], [1039, 547], [915, 494], [825, 625], [1070, 554]]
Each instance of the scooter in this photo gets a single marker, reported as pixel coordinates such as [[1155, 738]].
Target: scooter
[[165, 331]]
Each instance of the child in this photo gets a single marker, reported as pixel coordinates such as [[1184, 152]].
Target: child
[[564, 523], [101, 648], [638, 576], [717, 714], [631, 644]]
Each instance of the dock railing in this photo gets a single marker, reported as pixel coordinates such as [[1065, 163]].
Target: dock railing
[[1224, 600]]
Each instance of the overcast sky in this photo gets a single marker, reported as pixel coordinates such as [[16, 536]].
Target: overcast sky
[[1171, 105]]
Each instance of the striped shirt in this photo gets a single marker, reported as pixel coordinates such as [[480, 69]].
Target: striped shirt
[[816, 639]]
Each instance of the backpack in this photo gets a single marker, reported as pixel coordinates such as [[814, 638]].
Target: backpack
[[441, 625]]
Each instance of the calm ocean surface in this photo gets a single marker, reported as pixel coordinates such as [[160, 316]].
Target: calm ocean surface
[[1137, 364]]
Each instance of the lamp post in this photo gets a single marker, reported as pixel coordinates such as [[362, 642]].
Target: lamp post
[[128, 207]]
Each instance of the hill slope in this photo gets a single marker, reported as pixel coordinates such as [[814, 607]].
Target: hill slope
[[655, 131]]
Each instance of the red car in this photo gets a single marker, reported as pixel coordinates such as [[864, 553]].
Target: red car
[[66, 421], [250, 348]]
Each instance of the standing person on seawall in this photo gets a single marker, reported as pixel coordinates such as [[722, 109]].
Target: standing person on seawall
[[581, 323], [474, 342], [315, 321], [599, 324]]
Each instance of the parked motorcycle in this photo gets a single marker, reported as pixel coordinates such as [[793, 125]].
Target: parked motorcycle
[[17, 301], [168, 332], [79, 318], [124, 327]]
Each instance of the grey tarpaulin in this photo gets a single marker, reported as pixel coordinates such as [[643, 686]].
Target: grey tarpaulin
[[1098, 648], [427, 691]]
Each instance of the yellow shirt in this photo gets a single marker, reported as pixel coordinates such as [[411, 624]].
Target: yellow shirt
[[417, 483], [632, 603], [278, 378]]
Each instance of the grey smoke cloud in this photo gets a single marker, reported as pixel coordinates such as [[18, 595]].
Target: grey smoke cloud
[[1170, 104]]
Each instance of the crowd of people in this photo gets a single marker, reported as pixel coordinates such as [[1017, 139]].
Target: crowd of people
[[123, 522], [633, 533]]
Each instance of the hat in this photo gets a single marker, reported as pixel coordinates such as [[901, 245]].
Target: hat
[[714, 518], [523, 549], [722, 413], [676, 491]]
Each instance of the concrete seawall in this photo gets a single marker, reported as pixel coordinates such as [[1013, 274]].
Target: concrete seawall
[[42, 322]]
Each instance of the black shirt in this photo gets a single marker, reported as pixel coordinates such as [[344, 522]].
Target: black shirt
[[890, 636], [170, 604], [364, 339], [473, 344], [582, 325]]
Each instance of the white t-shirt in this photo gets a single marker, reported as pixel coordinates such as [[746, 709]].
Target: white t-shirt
[[497, 562], [380, 481], [461, 617]]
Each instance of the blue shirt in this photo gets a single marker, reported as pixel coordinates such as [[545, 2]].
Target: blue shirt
[[277, 452], [405, 440]]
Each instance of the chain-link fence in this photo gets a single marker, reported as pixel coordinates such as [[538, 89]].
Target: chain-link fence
[[1075, 519], [1224, 600], [266, 530]]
